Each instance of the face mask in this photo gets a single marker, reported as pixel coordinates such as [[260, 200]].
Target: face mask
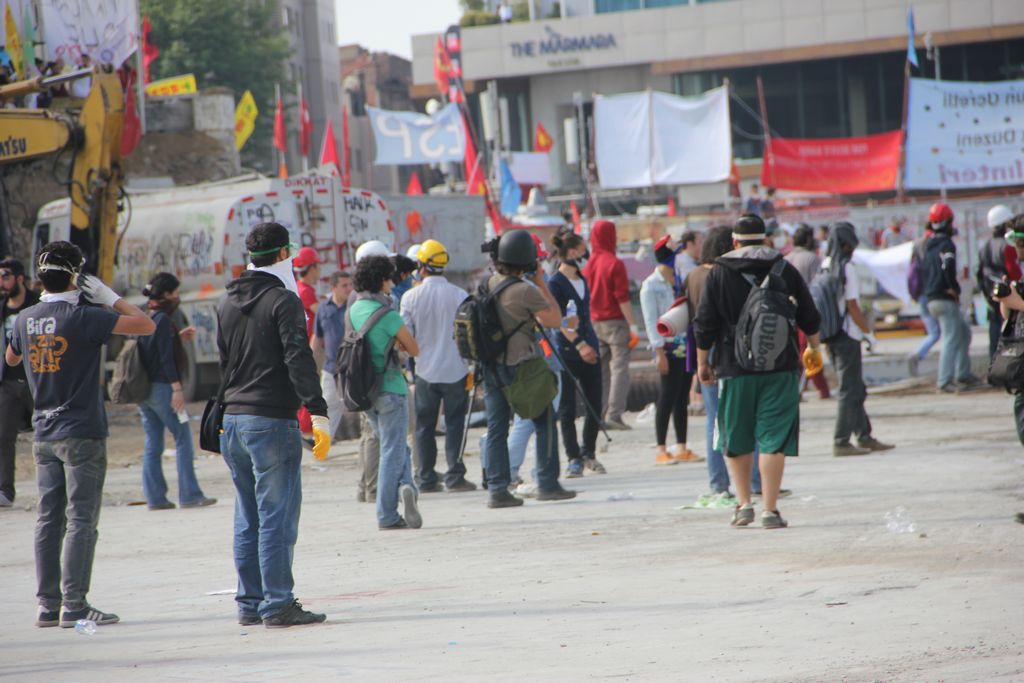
[[282, 270]]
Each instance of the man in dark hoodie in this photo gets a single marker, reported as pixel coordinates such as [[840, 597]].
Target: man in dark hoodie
[[268, 372], [941, 288], [612, 314], [755, 408]]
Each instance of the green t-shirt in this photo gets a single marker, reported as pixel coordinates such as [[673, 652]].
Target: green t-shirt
[[379, 337]]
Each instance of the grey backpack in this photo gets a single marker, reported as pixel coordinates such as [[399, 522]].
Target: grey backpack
[[766, 339], [130, 381]]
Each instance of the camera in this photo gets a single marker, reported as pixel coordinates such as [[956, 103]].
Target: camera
[[490, 247], [1001, 289]]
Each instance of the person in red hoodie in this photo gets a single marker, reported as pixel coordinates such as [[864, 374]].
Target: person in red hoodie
[[306, 265], [612, 315]]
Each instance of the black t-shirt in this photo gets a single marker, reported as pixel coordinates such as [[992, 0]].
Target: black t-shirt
[[16, 373], [61, 347]]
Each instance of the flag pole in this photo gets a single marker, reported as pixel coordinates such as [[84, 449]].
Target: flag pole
[[139, 78], [767, 155], [302, 125]]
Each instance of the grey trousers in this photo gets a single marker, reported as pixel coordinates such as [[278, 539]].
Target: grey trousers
[[70, 474], [613, 336], [851, 417]]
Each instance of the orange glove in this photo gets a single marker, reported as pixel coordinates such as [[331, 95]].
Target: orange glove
[[634, 337], [813, 362]]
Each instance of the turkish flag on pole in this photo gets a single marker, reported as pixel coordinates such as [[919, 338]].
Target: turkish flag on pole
[[442, 66], [329, 150], [474, 173], [671, 206], [149, 50], [280, 137], [305, 128], [414, 187], [577, 225], [542, 140], [346, 169]]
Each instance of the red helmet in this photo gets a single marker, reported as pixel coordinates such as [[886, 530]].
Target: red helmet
[[940, 214]]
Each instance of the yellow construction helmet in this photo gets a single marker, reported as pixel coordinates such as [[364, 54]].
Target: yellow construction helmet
[[433, 255]]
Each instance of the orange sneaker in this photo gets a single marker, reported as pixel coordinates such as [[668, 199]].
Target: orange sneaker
[[687, 456], [664, 458]]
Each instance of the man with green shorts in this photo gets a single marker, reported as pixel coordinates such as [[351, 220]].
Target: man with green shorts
[[759, 402]]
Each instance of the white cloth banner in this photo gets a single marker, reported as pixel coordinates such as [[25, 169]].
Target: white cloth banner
[[890, 268], [653, 138], [406, 137], [531, 168], [964, 135], [106, 31]]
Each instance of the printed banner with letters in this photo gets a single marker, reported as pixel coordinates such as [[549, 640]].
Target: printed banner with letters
[[175, 85], [405, 137], [837, 165], [964, 134], [108, 32]]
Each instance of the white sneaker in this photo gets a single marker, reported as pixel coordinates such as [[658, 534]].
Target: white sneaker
[[5, 502], [526, 490]]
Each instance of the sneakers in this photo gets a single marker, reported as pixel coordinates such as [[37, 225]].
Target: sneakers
[[743, 515], [594, 466], [249, 619], [687, 456], [526, 490], [397, 526], [664, 458], [616, 425], [201, 503], [771, 519], [46, 618], [557, 494], [841, 450], [574, 470], [431, 488], [501, 498], [873, 444], [912, 364], [294, 615], [166, 505], [949, 388], [5, 502], [412, 512], [69, 618], [461, 486]]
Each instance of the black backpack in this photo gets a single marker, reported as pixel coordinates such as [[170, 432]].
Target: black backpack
[[826, 290], [478, 333], [359, 384], [766, 338]]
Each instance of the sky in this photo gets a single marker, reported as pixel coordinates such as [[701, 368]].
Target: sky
[[387, 25]]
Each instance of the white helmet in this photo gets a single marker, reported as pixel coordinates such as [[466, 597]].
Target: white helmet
[[371, 248], [999, 214], [413, 252]]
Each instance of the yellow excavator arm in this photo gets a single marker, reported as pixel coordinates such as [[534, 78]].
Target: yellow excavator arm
[[94, 135]]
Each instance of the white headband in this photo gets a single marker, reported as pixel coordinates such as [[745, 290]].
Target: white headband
[[748, 238]]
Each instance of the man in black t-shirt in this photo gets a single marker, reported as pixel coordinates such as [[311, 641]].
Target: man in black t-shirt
[[15, 398], [60, 341]]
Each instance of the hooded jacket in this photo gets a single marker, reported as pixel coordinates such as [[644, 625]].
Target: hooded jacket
[[606, 274], [261, 334], [938, 268], [726, 291]]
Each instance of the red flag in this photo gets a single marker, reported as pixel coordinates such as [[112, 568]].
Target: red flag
[[280, 138], [577, 224], [346, 170], [329, 150], [542, 140], [474, 172], [305, 128], [671, 206], [414, 187], [734, 180], [442, 66], [131, 130], [149, 50]]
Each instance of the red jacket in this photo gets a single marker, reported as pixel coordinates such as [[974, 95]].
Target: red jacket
[[606, 274]]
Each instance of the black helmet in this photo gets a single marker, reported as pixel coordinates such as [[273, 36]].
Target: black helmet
[[516, 248]]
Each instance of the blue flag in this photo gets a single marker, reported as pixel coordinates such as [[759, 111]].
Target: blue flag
[[911, 50], [510, 192]]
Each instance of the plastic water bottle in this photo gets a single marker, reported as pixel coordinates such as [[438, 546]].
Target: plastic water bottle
[[570, 309], [86, 627]]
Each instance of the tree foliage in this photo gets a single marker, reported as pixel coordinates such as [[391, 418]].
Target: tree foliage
[[237, 44]]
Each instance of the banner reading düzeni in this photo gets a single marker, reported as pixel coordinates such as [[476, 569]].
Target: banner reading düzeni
[[405, 137], [837, 165], [964, 134]]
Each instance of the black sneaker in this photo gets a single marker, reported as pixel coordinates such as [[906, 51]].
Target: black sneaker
[[68, 619], [249, 619], [400, 524], [294, 615], [166, 505], [412, 512], [461, 486], [201, 503], [501, 498], [431, 488], [45, 618], [557, 494]]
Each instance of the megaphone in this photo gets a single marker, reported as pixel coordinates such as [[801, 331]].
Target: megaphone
[[675, 320]]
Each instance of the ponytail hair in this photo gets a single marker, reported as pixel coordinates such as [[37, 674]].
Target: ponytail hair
[[565, 240]]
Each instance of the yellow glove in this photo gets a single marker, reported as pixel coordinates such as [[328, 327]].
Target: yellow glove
[[812, 361], [321, 436]]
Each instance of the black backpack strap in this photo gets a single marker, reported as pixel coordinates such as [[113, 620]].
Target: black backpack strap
[[371, 322]]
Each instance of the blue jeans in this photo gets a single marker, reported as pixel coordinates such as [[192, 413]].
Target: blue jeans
[[497, 465], [157, 415], [718, 473], [389, 419], [931, 326], [70, 475], [263, 454], [954, 361], [429, 397]]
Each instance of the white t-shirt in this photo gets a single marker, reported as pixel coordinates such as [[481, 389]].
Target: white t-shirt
[[580, 285], [851, 290]]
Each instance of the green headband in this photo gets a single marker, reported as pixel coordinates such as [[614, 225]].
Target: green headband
[[263, 252]]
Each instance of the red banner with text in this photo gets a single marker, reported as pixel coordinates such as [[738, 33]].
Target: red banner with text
[[836, 165]]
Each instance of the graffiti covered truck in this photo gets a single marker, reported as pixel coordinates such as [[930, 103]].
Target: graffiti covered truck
[[198, 233]]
